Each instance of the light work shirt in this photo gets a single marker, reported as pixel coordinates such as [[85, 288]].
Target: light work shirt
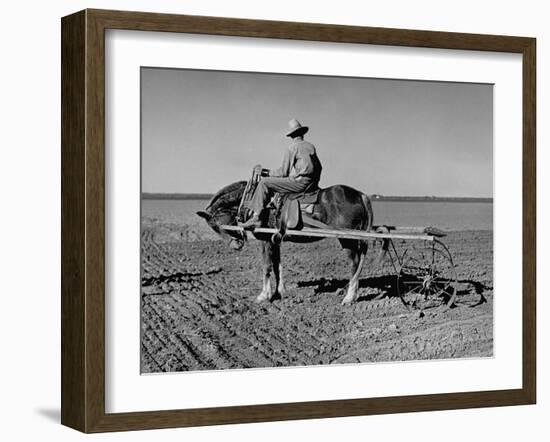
[[300, 160]]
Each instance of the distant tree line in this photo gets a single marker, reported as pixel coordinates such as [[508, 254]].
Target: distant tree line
[[443, 199], [176, 196], [375, 197]]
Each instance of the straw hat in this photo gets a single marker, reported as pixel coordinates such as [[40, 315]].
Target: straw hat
[[295, 128]]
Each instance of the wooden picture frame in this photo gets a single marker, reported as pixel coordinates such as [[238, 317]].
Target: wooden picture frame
[[83, 220]]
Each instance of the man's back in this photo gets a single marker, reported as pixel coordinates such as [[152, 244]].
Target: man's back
[[304, 159], [300, 160]]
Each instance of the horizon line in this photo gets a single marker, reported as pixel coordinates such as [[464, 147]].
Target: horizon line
[[374, 196]]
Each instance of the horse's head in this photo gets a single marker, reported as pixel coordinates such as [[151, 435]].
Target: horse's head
[[222, 210]]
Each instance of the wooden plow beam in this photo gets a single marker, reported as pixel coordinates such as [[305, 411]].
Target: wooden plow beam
[[339, 233]]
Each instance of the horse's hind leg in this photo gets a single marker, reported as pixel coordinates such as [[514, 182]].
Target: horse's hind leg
[[357, 257], [377, 262]]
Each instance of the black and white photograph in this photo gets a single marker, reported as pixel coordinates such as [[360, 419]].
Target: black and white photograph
[[303, 220], [254, 221]]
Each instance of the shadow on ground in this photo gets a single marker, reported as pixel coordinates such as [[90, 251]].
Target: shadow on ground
[[387, 286], [378, 285]]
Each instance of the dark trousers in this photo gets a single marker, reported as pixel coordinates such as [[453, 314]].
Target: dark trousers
[[270, 185]]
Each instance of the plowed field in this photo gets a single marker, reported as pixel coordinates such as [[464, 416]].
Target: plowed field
[[198, 309]]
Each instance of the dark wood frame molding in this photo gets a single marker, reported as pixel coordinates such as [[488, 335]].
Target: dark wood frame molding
[[83, 216]]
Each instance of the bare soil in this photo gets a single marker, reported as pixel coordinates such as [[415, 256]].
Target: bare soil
[[198, 309]]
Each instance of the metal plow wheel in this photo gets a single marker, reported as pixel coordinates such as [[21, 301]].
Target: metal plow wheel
[[427, 277]]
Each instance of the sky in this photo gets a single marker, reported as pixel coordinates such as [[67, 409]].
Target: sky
[[203, 129]]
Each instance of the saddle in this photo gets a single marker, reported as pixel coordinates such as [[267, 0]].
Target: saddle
[[285, 209], [290, 207]]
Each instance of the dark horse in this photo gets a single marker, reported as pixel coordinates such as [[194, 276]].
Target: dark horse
[[338, 206]]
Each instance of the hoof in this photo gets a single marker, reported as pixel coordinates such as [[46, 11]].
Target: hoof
[[263, 297], [348, 300]]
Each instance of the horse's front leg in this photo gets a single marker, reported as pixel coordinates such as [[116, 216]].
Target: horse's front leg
[[267, 269]]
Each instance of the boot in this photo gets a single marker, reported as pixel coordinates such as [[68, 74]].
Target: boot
[[252, 223]]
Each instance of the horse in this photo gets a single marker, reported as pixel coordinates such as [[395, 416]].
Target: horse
[[338, 206]]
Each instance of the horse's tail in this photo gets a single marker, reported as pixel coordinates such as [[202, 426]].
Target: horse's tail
[[367, 223], [368, 227], [370, 214]]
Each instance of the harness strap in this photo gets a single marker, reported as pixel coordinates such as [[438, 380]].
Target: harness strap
[[314, 222]]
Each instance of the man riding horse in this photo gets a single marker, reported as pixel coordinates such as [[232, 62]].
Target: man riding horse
[[338, 207], [299, 172]]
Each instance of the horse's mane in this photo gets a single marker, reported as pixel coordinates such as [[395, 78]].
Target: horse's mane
[[227, 198]]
